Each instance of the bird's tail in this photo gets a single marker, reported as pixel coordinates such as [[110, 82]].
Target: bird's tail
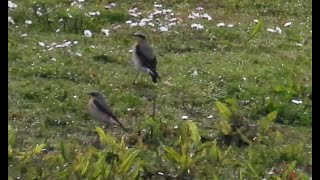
[[154, 75], [116, 121], [125, 129]]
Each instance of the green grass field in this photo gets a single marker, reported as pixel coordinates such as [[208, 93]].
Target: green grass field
[[239, 70]]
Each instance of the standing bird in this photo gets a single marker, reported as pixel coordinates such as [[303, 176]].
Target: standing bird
[[143, 58], [101, 112]]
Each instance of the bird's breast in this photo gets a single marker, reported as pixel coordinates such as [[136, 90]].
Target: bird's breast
[[96, 113], [136, 60]]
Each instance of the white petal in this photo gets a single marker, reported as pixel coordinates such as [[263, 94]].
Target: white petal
[[142, 23], [184, 117], [157, 5], [220, 24], [92, 13], [134, 24], [172, 24], [87, 33], [287, 24], [10, 20], [296, 101], [163, 29], [191, 17], [28, 21], [105, 31], [195, 73], [278, 30], [41, 44], [271, 30]]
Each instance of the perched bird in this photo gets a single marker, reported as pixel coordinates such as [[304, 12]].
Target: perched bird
[[143, 58], [101, 112]]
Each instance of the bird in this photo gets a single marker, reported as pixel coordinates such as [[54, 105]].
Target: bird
[[101, 112], [143, 58]]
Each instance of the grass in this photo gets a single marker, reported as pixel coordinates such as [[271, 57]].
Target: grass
[[235, 84]]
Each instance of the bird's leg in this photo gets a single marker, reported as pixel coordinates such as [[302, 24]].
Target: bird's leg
[[134, 81]]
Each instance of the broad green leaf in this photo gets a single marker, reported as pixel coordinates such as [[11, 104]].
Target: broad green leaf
[[292, 165], [134, 173], [102, 136], [32, 173], [99, 166], [256, 29], [105, 138], [243, 137], [224, 110], [265, 123], [253, 169], [185, 161], [272, 116], [279, 137], [85, 166], [65, 152], [233, 103], [251, 153], [128, 161], [241, 176], [107, 171], [9, 151], [225, 127], [11, 136], [216, 152], [194, 132], [172, 154], [38, 149], [184, 133]]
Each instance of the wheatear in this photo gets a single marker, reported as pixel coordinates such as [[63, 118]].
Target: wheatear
[[101, 112], [143, 58]]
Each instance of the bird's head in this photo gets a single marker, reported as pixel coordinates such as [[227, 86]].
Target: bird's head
[[94, 93], [140, 37]]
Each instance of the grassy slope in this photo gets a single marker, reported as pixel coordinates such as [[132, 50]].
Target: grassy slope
[[47, 101]]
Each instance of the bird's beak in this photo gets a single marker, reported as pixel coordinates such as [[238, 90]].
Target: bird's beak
[[88, 93]]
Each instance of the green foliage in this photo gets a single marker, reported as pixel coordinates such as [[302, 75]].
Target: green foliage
[[257, 28], [265, 123], [224, 110]]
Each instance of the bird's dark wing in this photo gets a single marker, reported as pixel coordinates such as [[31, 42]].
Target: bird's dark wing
[[146, 61], [105, 109]]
